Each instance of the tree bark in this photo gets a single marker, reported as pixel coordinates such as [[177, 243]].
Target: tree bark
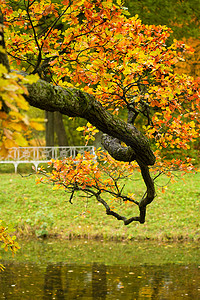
[[60, 129], [49, 128], [3, 55], [75, 103]]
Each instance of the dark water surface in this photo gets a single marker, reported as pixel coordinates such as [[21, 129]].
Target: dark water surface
[[99, 270]]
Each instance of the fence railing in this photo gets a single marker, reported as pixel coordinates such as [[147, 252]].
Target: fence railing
[[38, 155]]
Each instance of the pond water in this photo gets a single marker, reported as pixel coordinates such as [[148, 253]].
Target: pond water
[[101, 270]]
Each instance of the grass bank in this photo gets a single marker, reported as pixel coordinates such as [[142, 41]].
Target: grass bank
[[37, 210]]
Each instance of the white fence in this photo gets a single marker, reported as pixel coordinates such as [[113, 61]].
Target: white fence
[[38, 155]]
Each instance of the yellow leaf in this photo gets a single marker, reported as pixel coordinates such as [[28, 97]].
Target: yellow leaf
[[9, 143], [2, 67], [80, 128], [31, 78], [3, 115], [7, 133], [3, 150], [36, 125], [22, 103], [20, 140], [11, 106], [107, 4], [15, 126]]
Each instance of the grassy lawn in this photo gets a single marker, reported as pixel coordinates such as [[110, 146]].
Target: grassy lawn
[[37, 210]]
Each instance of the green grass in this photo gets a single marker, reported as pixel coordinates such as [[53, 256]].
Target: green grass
[[37, 210]]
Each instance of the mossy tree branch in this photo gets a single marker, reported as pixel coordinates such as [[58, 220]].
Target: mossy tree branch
[[75, 103]]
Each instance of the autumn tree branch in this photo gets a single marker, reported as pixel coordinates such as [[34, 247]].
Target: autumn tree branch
[[121, 153], [76, 103]]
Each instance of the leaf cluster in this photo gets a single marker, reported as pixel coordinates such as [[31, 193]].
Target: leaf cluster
[[94, 176], [15, 127], [124, 63], [8, 241]]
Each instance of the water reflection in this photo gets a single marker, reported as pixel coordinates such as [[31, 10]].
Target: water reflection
[[98, 281], [53, 284], [87, 270]]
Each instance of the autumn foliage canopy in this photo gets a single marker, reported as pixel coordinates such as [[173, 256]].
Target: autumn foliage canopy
[[123, 75]]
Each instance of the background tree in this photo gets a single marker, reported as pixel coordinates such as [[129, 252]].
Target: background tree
[[15, 126], [99, 63], [182, 17]]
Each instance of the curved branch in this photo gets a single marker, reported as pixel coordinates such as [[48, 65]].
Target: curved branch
[[116, 150], [149, 182], [108, 209], [76, 103]]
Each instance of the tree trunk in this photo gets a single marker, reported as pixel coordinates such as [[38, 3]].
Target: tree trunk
[[3, 55], [49, 128], [60, 129]]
